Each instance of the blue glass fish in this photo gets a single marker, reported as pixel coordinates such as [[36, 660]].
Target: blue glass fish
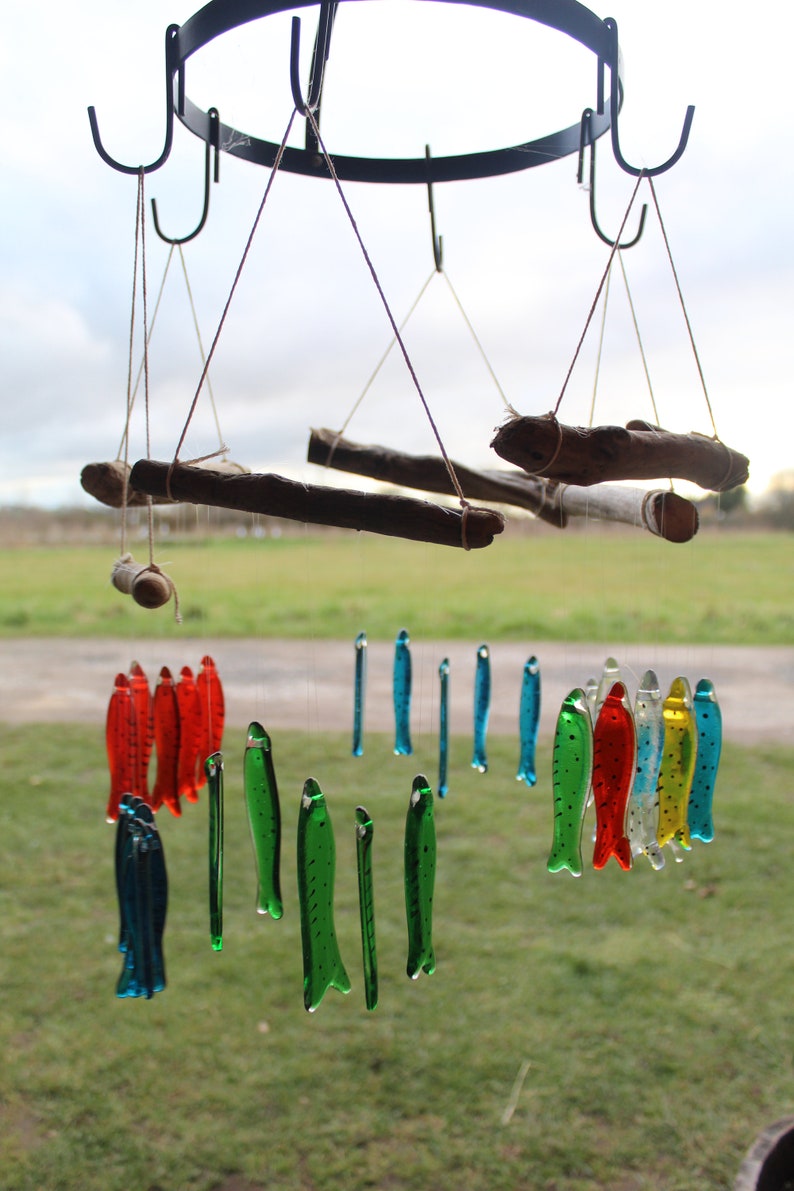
[[264, 818], [402, 695], [366, 903], [420, 877], [322, 964], [572, 767], [359, 694], [708, 720], [644, 800], [443, 728], [142, 885], [213, 768], [482, 708], [528, 720]]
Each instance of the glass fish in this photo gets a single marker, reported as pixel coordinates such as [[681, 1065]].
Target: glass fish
[[420, 878], [614, 764], [366, 902], [142, 883], [166, 742], [189, 705], [708, 720], [443, 728], [572, 766], [144, 729], [644, 800], [359, 694], [528, 720], [609, 676], [679, 755], [482, 708], [264, 818], [591, 694], [213, 768], [211, 700], [127, 805], [402, 695], [120, 744], [322, 964]]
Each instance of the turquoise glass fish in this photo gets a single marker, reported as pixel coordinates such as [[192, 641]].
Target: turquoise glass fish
[[366, 903], [359, 694], [679, 755], [528, 720], [213, 768], [708, 721], [614, 762], [264, 818], [142, 886], [644, 799], [482, 708], [402, 695], [420, 878], [443, 729], [572, 766], [322, 964]]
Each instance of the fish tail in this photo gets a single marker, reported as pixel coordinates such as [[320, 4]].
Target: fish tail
[[560, 859], [619, 848], [526, 774]]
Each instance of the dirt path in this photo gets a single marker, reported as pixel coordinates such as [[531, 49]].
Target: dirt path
[[309, 684]]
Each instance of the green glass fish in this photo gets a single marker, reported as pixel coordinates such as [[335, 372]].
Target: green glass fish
[[420, 876], [364, 833], [322, 964], [264, 818], [213, 768], [572, 768]]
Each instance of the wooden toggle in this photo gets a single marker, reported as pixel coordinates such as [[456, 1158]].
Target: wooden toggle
[[275, 496], [584, 456]]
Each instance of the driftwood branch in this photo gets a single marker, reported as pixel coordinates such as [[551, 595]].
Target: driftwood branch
[[429, 474], [663, 513], [578, 455], [395, 516], [106, 482]]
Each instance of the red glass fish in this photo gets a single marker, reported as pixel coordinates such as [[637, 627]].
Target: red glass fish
[[187, 697], [120, 743], [166, 741], [614, 760], [144, 729], [210, 693]]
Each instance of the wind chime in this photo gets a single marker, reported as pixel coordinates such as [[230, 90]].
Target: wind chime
[[561, 471]]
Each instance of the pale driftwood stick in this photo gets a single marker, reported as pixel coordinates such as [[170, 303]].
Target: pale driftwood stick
[[429, 474], [663, 513], [395, 516], [105, 482], [577, 455]]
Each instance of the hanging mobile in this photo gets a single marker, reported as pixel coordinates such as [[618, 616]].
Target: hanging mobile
[[366, 902], [264, 819]]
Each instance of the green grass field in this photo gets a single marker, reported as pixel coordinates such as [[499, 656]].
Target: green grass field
[[653, 1010], [720, 588]]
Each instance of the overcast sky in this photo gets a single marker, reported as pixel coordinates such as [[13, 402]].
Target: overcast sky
[[306, 327]]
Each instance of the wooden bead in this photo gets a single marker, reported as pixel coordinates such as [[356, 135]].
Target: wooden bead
[[151, 589]]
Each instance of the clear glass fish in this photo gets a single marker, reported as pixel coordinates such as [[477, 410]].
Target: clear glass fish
[[528, 720], [609, 676], [402, 695], [443, 729], [679, 755], [708, 720], [213, 767], [572, 767], [644, 800], [614, 764], [482, 708], [264, 818], [322, 963], [359, 694], [366, 902], [420, 878]]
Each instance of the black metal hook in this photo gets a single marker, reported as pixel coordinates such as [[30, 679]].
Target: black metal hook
[[438, 241], [614, 108], [587, 138], [213, 144], [322, 46], [172, 67]]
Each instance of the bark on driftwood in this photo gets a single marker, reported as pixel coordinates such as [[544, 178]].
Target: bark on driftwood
[[105, 482], [578, 455], [395, 516]]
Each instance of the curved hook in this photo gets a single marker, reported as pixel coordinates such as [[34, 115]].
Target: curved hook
[[212, 143], [438, 241], [586, 138], [171, 68], [322, 48], [614, 108]]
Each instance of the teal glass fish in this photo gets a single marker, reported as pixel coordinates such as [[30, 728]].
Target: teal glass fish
[[142, 886], [708, 721], [572, 766], [528, 720], [264, 818], [322, 964], [420, 877], [614, 763], [482, 708], [366, 903], [213, 768], [679, 755], [359, 694], [443, 729], [644, 800], [402, 695]]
